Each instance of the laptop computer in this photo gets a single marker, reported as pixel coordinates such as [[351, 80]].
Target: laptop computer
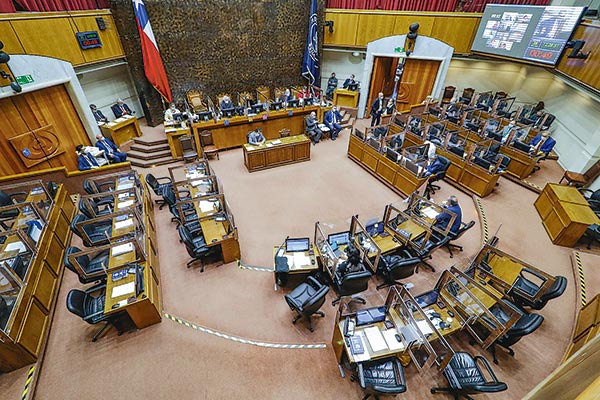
[[297, 245]]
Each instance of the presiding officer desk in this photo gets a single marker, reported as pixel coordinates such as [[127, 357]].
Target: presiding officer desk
[[34, 232], [276, 152], [121, 129]]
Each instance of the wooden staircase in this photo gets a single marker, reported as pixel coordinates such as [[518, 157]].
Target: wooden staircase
[[348, 116], [148, 153]]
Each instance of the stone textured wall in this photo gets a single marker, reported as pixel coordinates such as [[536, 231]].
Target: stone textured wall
[[218, 46]]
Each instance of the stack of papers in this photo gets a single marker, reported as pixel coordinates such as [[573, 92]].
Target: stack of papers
[[125, 204], [126, 185], [375, 339], [206, 206], [276, 141], [121, 249], [122, 290], [124, 224], [429, 212], [424, 327], [390, 338]]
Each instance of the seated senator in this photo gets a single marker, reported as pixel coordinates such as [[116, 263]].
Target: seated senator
[[256, 137], [100, 118], [286, 96], [226, 103], [85, 161], [171, 112], [121, 109], [352, 264], [349, 81], [312, 127], [396, 142], [332, 119], [442, 219], [433, 166], [543, 142], [110, 149]]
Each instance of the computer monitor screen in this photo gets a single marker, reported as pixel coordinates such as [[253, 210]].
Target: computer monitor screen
[[521, 146], [341, 238], [412, 167], [292, 103], [278, 105], [482, 163], [228, 112], [359, 134], [434, 111], [375, 228], [459, 151], [178, 117], [353, 87], [257, 108], [204, 115], [374, 143], [295, 245], [392, 154]]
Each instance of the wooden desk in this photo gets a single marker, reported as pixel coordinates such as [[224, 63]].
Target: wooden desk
[[387, 243], [273, 153], [565, 214], [173, 135], [302, 268], [345, 98], [521, 164], [235, 134], [121, 129]]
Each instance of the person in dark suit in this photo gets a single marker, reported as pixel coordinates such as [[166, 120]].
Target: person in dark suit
[[312, 127], [286, 96], [349, 81], [226, 103], [85, 161], [377, 109], [110, 149], [433, 166], [121, 109], [443, 219], [543, 143], [397, 141], [332, 119], [332, 84], [100, 118]]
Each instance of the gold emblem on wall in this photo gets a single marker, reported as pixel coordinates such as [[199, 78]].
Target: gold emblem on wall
[[37, 146]]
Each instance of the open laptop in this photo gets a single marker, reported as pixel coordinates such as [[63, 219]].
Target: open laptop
[[297, 245]]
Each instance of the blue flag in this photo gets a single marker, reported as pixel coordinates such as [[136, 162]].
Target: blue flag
[[310, 63]]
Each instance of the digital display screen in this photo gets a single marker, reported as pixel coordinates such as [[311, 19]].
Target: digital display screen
[[532, 33]]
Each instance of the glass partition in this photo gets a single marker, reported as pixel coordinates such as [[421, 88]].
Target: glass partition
[[483, 155], [426, 211], [114, 227], [415, 125], [34, 192], [191, 171], [330, 258], [369, 251], [99, 204], [360, 134], [212, 213], [502, 106], [113, 181], [192, 188]]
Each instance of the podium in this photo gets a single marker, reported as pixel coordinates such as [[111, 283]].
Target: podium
[[345, 98], [121, 129]]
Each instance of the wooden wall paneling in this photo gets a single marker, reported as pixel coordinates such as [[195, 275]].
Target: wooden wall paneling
[[52, 37], [458, 32], [373, 26], [421, 74], [402, 22], [12, 125], [344, 29], [588, 70], [111, 43], [10, 39]]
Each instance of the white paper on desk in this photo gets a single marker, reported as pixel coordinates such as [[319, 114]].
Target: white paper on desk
[[170, 130], [122, 290], [123, 196], [390, 338], [126, 185], [365, 355], [197, 183], [375, 338], [124, 224], [424, 327], [16, 246], [125, 204], [429, 212], [290, 260], [301, 259], [276, 141], [269, 145], [206, 206], [121, 249]]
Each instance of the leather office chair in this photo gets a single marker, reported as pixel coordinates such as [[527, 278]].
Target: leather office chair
[[91, 308], [381, 377], [195, 246], [170, 200], [465, 377], [425, 254], [7, 200], [394, 267], [158, 187], [455, 236], [593, 199], [431, 188], [592, 233], [467, 95], [93, 187], [306, 299], [448, 94], [524, 284], [581, 180], [94, 267], [188, 149], [208, 145], [91, 208], [4, 312], [98, 233], [350, 283]]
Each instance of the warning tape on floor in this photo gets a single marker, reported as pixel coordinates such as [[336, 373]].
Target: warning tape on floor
[[28, 382], [237, 339], [581, 278], [484, 223], [252, 268], [532, 185]]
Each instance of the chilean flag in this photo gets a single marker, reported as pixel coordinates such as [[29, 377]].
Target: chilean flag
[[153, 65]]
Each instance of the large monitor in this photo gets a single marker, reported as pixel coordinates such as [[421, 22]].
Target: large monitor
[[293, 103], [341, 238], [392, 154], [353, 87], [257, 108], [276, 106], [228, 112], [204, 115], [297, 245], [532, 33]]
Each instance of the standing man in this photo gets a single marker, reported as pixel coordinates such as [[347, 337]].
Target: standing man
[[332, 119], [349, 81], [443, 218], [377, 110], [332, 83], [100, 118], [85, 161], [121, 109], [312, 127], [110, 149]]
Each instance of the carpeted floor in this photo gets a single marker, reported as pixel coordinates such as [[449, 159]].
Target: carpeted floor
[[170, 360]]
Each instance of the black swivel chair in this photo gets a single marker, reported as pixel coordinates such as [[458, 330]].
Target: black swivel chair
[[348, 284], [7, 200], [158, 187], [381, 377], [91, 208], [94, 267], [91, 308], [195, 246], [306, 299], [99, 233], [424, 254], [431, 187], [593, 199], [524, 284], [394, 267], [455, 236], [93, 187], [465, 377], [4, 312]]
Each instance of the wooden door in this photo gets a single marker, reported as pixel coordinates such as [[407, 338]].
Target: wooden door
[[382, 78], [416, 83]]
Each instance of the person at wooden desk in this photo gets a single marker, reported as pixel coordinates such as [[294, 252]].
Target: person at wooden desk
[[542, 144], [442, 219], [256, 137], [433, 166], [349, 81], [171, 112], [100, 118], [312, 127], [352, 264], [120, 109], [110, 149]]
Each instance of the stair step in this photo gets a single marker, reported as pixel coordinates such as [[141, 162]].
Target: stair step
[[150, 142], [152, 163], [149, 149], [148, 156]]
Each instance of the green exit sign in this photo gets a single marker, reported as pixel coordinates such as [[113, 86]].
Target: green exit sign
[[399, 50], [24, 79]]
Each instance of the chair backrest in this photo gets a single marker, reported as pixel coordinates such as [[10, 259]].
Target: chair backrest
[[464, 374], [464, 228], [468, 93], [90, 186], [187, 147], [505, 161], [153, 183], [78, 218], [556, 290], [75, 302], [206, 138], [186, 237], [448, 92], [354, 282], [316, 301], [527, 324], [398, 267], [593, 172], [169, 195], [5, 199], [85, 210], [441, 173]]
